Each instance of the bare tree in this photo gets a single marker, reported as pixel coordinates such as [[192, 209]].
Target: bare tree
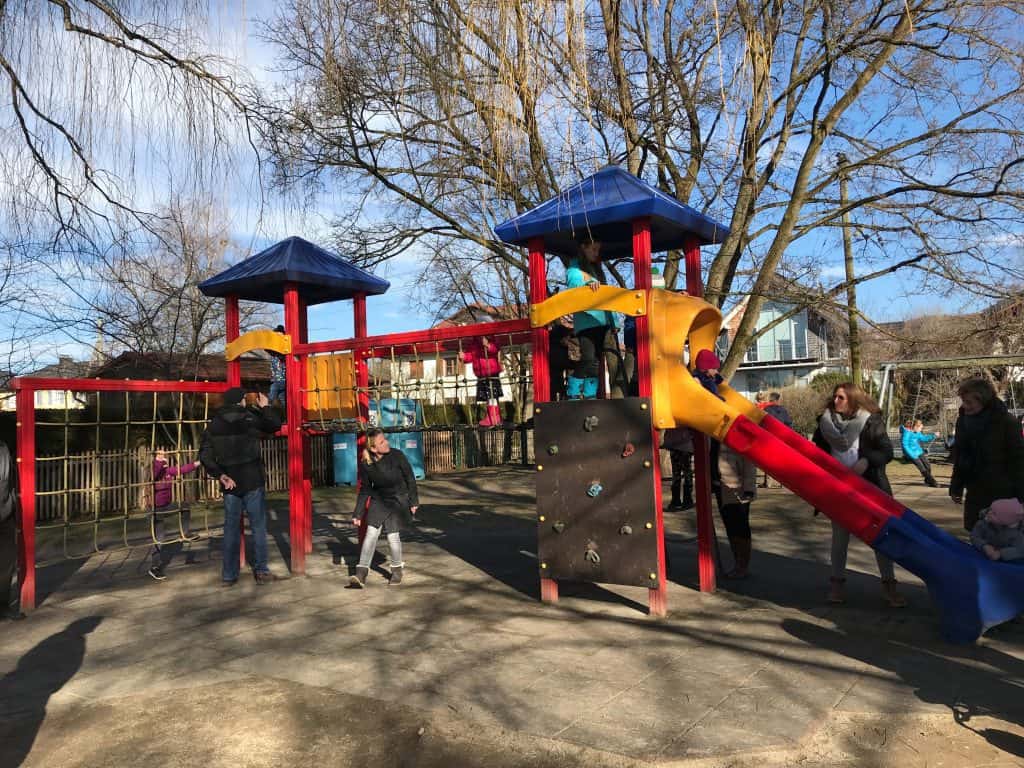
[[447, 118], [142, 294]]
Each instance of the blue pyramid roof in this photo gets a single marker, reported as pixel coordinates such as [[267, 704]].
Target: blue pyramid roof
[[320, 276], [602, 205]]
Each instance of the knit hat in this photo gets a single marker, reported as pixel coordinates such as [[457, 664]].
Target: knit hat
[[234, 396], [1005, 512], [706, 360]]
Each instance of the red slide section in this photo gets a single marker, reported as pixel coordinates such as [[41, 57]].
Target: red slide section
[[813, 476], [809, 450]]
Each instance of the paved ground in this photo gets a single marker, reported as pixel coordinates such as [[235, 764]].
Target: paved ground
[[461, 666]]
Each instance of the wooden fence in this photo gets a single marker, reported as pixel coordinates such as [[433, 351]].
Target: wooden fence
[[112, 483]]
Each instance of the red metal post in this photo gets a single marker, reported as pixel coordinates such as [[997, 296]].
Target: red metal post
[[293, 399], [701, 458], [233, 329], [541, 367], [26, 460], [362, 387], [307, 448], [657, 597], [232, 322]]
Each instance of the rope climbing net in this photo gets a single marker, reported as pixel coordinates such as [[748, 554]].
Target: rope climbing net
[[90, 459], [418, 386]]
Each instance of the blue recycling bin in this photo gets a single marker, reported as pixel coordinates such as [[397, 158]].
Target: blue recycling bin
[[345, 452], [391, 412]]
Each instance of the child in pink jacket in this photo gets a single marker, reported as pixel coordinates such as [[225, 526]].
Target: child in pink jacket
[[163, 476], [482, 353]]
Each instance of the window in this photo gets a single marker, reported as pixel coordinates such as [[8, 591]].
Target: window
[[416, 369], [452, 367]]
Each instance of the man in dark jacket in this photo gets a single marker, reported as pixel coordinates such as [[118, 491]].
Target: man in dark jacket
[[8, 533], [777, 410], [230, 451]]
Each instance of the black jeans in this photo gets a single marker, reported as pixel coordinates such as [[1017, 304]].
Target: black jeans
[[591, 344], [8, 560], [164, 518], [737, 520], [682, 475], [921, 462]]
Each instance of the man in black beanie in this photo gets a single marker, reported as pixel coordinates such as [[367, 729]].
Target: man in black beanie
[[230, 451]]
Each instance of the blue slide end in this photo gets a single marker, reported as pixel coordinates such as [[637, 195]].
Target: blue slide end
[[972, 592]]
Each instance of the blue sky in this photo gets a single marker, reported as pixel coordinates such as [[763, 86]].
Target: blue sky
[[255, 226]]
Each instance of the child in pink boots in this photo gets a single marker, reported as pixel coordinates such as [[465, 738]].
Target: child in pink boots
[[482, 353]]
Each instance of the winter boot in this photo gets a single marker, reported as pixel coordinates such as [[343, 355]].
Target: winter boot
[[574, 388], [590, 388], [358, 579], [494, 414], [396, 575], [741, 558]]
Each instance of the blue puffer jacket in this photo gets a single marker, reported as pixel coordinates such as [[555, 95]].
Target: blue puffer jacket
[[911, 442], [575, 277]]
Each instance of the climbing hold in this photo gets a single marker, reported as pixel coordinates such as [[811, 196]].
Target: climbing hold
[[543, 566], [647, 464], [591, 423], [594, 489], [542, 519], [559, 526], [552, 450], [540, 467], [643, 406], [628, 450], [626, 530], [652, 576], [648, 526], [591, 556]]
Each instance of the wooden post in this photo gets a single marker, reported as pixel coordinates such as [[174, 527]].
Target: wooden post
[[307, 451], [362, 386], [233, 329], [26, 461], [701, 457], [541, 368], [293, 400], [657, 597]]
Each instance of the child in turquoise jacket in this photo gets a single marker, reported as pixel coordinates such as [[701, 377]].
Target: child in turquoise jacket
[[592, 327], [911, 439]]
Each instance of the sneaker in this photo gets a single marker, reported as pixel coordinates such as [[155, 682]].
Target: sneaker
[[12, 614], [264, 578], [228, 582], [688, 504], [675, 506], [157, 573]]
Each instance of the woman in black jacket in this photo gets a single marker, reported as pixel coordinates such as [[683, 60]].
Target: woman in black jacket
[[851, 430], [387, 498], [988, 452]]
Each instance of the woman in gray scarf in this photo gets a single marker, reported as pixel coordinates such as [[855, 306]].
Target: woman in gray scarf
[[852, 431]]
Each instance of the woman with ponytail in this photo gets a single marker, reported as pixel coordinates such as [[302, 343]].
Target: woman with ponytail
[[387, 499]]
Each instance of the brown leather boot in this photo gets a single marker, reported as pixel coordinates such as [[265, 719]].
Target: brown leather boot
[[358, 579]]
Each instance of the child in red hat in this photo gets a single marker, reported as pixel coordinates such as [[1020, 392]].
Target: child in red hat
[[706, 371]]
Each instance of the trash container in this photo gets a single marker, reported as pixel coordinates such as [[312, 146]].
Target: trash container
[[345, 450]]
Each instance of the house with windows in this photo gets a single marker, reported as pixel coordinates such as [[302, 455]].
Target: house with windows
[[438, 376], [54, 399], [798, 345]]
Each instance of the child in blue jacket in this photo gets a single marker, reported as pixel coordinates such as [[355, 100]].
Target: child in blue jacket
[[911, 439]]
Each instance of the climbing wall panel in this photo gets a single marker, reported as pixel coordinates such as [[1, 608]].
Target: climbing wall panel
[[595, 491]]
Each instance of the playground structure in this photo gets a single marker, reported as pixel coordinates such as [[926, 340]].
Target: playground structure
[[603, 523]]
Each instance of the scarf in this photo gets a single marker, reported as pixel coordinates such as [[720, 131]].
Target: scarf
[[842, 433]]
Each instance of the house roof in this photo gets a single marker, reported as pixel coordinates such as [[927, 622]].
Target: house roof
[[64, 368], [320, 276], [479, 312], [185, 367], [603, 205]]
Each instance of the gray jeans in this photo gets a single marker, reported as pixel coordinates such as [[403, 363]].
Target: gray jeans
[[370, 546], [841, 543]]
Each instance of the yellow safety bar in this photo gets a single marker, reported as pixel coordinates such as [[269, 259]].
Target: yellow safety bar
[[625, 300], [247, 342], [674, 320]]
